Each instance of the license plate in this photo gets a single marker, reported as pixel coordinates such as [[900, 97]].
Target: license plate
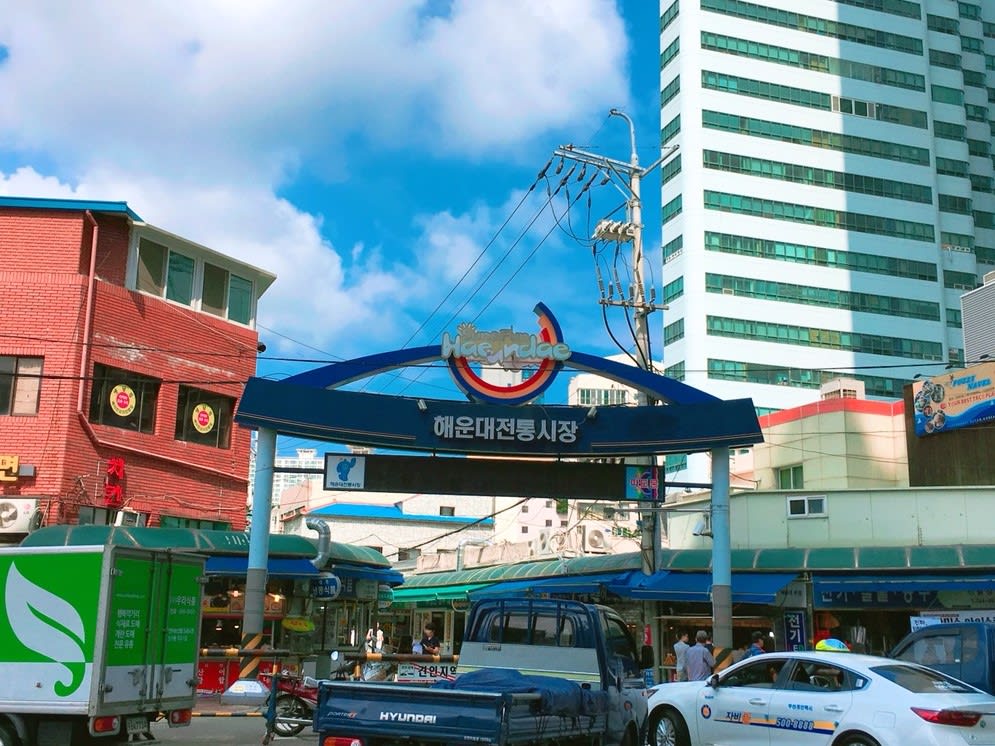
[[136, 724]]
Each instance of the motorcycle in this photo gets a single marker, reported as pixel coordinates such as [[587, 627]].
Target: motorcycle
[[296, 701], [296, 698]]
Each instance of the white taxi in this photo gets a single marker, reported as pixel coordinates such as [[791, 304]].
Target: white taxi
[[821, 699]]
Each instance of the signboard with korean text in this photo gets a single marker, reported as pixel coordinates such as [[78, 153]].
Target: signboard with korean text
[[953, 400], [500, 420], [345, 472], [425, 673], [795, 630]]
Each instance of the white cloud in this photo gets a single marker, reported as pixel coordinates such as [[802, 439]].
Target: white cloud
[[197, 112]]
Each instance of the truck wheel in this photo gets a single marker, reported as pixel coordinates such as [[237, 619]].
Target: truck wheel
[[8, 737], [287, 706], [667, 728]]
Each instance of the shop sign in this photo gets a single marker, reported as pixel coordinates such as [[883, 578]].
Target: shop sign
[[795, 632], [544, 352], [385, 596], [875, 599], [9, 466], [949, 617], [425, 673], [794, 595], [327, 587], [642, 483]]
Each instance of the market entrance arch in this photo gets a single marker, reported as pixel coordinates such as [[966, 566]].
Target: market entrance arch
[[497, 421]]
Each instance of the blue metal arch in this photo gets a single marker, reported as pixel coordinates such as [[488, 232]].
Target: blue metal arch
[[336, 375]]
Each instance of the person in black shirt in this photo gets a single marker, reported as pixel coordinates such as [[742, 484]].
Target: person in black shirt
[[430, 644]]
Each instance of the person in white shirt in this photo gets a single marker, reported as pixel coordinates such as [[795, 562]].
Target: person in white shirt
[[680, 656]]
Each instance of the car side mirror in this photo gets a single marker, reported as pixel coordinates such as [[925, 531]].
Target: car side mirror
[[714, 681]]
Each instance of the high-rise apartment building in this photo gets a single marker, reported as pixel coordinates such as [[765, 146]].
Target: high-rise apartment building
[[832, 195]]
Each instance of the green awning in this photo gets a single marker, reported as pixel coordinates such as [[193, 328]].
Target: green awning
[[446, 593], [211, 542]]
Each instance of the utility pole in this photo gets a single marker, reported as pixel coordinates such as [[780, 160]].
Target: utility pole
[[627, 178]]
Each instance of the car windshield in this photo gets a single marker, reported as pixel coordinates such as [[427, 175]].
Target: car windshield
[[923, 680]]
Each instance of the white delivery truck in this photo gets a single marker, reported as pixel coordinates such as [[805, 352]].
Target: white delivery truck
[[96, 641]]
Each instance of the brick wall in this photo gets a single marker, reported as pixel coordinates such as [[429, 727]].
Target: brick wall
[[44, 258]]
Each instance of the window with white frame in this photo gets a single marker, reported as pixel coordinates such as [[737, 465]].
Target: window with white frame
[[806, 506], [20, 384], [790, 477], [173, 275]]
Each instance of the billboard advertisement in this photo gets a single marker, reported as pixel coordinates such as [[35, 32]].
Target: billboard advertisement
[[958, 398]]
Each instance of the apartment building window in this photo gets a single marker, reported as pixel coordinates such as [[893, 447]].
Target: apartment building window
[[405, 555], [226, 295], [525, 529], [447, 510], [20, 385], [549, 523], [950, 131], [814, 25], [673, 332], [172, 275], [671, 130], [954, 318], [677, 371], [902, 8], [673, 289], [525, 508], [970, 44], [945, 95], [672, 209], [808, 506], [821, 177], [121, 398], [819, 216], [673, 248], [969, 10], [943, 24], [854, 261], [815, 138], [812, 61], [790, 478], [165, 273], [670, 14], [872, 344], [670, 53], [737, 370], [952, 167], [204, 417]]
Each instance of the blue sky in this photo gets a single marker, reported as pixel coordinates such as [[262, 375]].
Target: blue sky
[[366, 153]]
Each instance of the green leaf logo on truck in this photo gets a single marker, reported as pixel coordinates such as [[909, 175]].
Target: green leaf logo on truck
[[49, 626]]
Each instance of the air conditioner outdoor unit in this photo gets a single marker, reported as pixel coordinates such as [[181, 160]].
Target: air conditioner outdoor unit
[[540, 545], [597, 539], [16, 515], [130, 518]]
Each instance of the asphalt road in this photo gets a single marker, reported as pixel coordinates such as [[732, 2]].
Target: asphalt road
[[224, 732]]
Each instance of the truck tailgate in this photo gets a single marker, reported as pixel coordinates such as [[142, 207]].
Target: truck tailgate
[[397, 711]]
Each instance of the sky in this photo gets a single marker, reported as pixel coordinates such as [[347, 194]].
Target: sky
[[377, 157]]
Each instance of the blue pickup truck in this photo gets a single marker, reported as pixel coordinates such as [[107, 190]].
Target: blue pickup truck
[[964, 650], [530, 671]]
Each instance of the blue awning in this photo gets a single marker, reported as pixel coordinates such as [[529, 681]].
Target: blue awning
[[379, 574], [900, 583], [276, 567], [747, 587], [561, 584]]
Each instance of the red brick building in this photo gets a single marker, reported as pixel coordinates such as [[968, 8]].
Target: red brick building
[[123, 350]]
